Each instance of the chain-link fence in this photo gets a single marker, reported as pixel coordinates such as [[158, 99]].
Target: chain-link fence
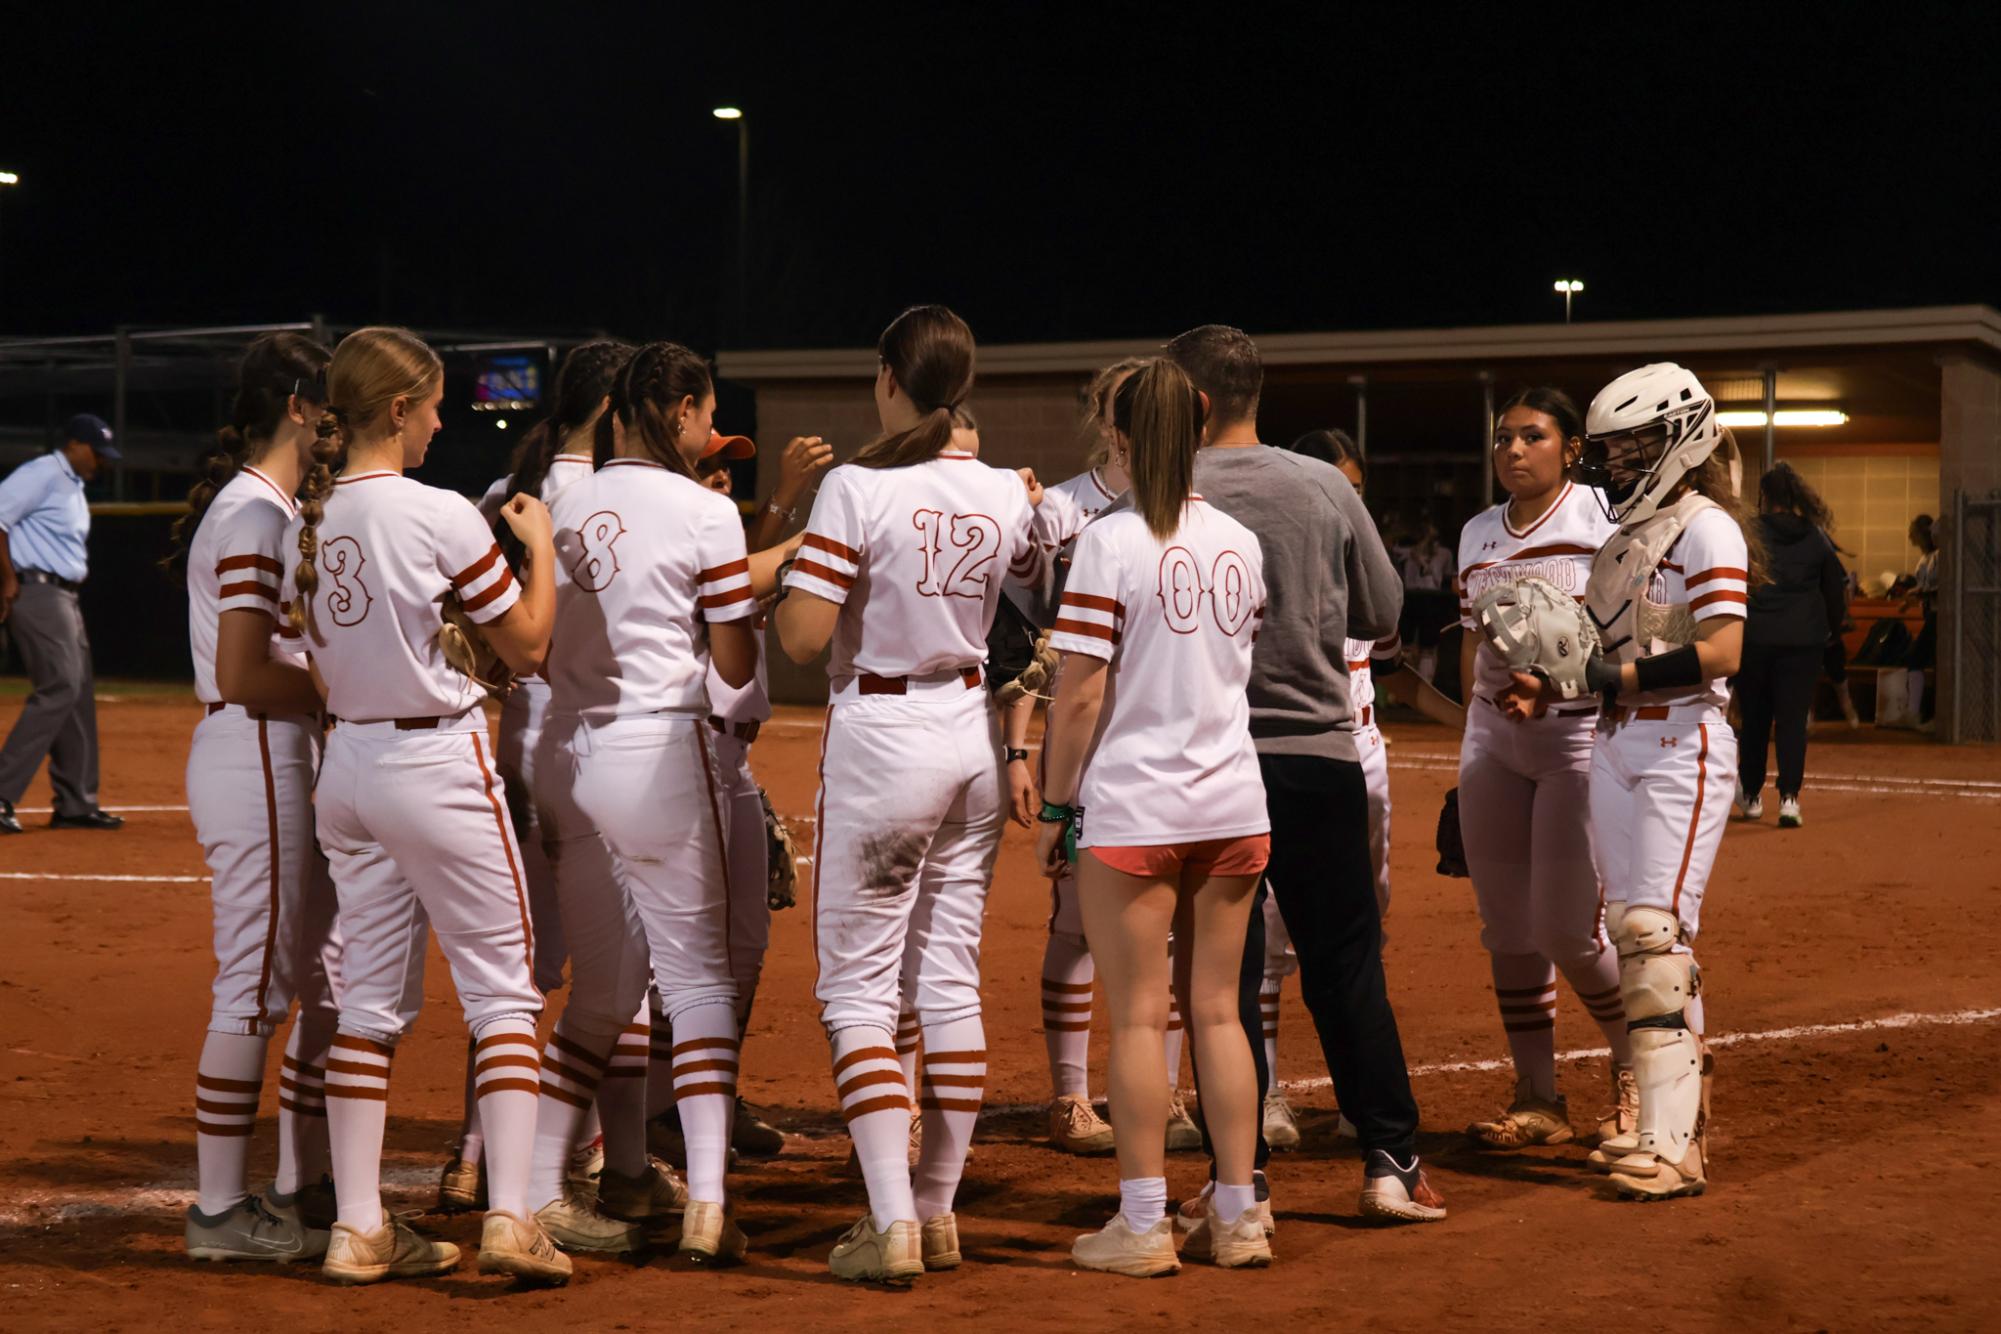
[[1976, 618]]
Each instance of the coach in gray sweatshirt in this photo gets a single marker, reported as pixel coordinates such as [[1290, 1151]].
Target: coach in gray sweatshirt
[[1327, 580]]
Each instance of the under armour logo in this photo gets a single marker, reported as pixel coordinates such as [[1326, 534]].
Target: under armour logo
[[1669, 742], [1489, 545]]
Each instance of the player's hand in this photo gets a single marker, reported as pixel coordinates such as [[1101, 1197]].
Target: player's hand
[[529, 518], [1023, 800], [1027, 476], [1526, 697], [805, 457], [1049, 854]]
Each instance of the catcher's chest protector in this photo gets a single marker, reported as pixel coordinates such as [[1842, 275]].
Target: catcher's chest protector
[[1629, 625]]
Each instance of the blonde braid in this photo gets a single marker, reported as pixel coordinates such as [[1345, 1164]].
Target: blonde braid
[[328, 443]]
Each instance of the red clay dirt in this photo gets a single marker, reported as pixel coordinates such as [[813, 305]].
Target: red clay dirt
[[1848, 1185]]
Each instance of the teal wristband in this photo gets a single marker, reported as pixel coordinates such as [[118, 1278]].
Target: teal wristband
[[1054, 814]]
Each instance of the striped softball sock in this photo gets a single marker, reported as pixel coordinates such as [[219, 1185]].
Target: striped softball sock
[[573, 1063], [228, 1080], [1525, 991], [622, 1098], [506, 1073], [705, 1066], [875, 1101], [1597, 985], [302, 1101], [1268, 1005], [1067, 976], [357, 1088], [908, 1034], [955, 1081], [1171, 1044]]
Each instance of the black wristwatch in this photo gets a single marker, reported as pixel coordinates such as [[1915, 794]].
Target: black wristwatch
[[1014, 753]]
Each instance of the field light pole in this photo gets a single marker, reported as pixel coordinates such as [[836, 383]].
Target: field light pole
[[8, 178], [742, 214], [1570, 287]]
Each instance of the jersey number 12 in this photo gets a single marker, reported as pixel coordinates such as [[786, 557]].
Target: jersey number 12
[[975, 541]]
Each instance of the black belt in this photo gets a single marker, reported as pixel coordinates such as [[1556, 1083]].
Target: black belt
[[744, 732], [54, 580]]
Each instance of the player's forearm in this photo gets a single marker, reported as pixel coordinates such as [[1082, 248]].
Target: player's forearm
[[1073, 721], [765, 560], [1014, 723], [521, 636]]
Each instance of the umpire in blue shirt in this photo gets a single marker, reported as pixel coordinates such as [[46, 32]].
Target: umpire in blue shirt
[[44, 527]]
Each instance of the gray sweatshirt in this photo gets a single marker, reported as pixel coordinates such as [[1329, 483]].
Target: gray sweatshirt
[[1327, 580]]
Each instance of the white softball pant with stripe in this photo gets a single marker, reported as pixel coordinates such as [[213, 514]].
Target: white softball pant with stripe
[[1660, 798]]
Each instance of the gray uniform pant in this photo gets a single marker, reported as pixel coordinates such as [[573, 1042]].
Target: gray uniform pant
[[60, 718]]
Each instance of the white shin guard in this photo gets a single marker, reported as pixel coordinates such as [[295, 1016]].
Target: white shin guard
[[1657, 986]]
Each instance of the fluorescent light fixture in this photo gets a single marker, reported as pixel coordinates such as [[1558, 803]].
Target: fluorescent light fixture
[[728, 113], [1786, 417]]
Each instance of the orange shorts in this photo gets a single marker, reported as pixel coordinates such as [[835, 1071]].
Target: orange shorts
[[1244, 855]]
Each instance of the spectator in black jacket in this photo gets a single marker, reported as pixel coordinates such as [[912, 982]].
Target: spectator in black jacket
[[1792, 618]]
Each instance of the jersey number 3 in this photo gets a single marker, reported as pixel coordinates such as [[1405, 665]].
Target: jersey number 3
[[341, 562], [975, 539]]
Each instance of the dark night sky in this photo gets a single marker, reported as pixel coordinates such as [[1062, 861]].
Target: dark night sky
[[1055, 171]]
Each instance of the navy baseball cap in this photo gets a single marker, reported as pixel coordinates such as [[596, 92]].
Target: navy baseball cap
[[92, 431]]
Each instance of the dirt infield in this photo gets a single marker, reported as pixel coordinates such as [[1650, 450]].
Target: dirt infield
[[1855, 1110]]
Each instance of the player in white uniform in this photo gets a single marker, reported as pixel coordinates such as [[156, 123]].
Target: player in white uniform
[[250, 781], [1667, 594], [1523, 785], [409, 808], [555, 453], [1153, 783], [903, 561], [654, 582]]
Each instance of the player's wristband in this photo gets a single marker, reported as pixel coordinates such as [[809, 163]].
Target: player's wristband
[[786, 514], [1016, 753], [1054, 814], [1671, 670]]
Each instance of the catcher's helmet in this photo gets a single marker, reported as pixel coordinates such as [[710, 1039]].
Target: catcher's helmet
[[1644, 432]]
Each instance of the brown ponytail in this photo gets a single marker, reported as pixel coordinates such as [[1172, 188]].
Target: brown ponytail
[[1095, 402], [1711, 479], [653, 382], [371, 369], [1159, 412], [275, 368], [929, 350], [586, 378]]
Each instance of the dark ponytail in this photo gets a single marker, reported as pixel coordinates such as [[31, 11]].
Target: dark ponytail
[[585, 380], [274, 368], [930, 352], [653, 382]]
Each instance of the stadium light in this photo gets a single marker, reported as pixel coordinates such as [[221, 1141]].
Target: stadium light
[[500, 423], [10, 178], [1569, 287], [1785, 417], [728, 113]]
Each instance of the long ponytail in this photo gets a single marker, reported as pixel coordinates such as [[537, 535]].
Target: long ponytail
[[1159, 412], [582, 384], [929, 350]]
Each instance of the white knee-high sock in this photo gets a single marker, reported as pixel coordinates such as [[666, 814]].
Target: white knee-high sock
[[1067, 975], [908, 1031], [357, 1110], [228, 1082], [506, 1074], [1268, 1003], [1597, 985], [302, 1101], [1525, 990], [573, 1063], [954, 1084], [705, 1067], [875, 1102], [622, 1099]]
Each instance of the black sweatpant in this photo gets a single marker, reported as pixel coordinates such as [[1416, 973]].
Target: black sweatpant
[[1775, 689], [1326, 889]]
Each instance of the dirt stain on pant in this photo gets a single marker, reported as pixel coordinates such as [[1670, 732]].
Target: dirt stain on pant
[[889, 862]]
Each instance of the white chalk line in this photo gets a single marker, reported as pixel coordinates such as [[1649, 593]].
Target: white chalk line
[[1963, 789], [109, 879], [407, 1185], [115, 810]]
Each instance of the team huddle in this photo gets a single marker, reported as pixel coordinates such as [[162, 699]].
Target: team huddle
[[1210, 621]]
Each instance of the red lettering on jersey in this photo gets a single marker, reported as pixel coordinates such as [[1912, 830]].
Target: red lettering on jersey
[[597, 558], [348, 600], [977, 540], [1182, 591]]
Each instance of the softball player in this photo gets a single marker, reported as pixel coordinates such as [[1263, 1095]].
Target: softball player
[[409, 809], [1523, 784], [249, 781], [1152, 774], [902, 565], [653, 584], [557, 452], [1667, 594]]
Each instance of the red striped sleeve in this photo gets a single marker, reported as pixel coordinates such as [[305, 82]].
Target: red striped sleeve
[[1721, 595], [713, 600], [494, 590], [1093, 602], [1718, 572], [247, 590], [1094, 631], [716, 572], [264, 563], [801, 565], [831, 547], [478, 568]]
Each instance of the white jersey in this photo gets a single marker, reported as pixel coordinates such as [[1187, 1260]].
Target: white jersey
[[915, 557], [1066, 507], [644, 556], [237, 563], [563, 470], [1557, 547], [390, 549], [1703, 575], [751, 703], [1362, 655], [1173, 760]]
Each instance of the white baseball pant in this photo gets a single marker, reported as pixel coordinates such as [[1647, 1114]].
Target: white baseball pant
[[523, 716], [1660, 798], [748, 853]]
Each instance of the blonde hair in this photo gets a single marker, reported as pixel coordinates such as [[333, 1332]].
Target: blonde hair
[[371, 369], [1159, 412], [1095, 402]]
